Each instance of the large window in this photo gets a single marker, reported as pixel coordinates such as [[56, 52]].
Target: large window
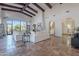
[[9, 27], [16, 25], [19, 25], [23, 26]]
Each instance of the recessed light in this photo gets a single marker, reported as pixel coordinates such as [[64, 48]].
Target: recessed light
[[67, 11]]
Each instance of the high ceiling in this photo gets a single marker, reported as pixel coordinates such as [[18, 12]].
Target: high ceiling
[[28, 9]]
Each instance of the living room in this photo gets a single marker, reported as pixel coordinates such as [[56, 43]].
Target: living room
[[39, 28]]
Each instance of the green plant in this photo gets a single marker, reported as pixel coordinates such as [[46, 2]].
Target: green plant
[[17, 27]]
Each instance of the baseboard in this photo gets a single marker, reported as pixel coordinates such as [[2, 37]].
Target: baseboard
[[58, 36], [41, 40], [47, 39]]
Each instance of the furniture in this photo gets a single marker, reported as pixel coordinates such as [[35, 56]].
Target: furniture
[[75, 40], [38, 36], [26, 37], [33, 37], [17, 35]]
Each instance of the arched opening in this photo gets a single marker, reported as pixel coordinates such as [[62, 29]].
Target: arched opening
[[68, 28]]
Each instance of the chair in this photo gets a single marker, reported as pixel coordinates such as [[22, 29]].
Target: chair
[[26, 37], [75, 40]]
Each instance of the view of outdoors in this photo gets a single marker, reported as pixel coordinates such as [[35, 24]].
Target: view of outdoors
[[15, 25]]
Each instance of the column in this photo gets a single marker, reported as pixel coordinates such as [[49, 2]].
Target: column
[[0, 14]]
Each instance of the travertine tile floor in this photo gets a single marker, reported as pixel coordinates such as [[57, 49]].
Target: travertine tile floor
[[8, 47]]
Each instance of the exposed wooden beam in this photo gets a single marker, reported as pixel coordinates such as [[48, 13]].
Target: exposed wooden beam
[[28, 7], [32, 9], [24, 7], [2, 4], [38, 7], [26, 14], [11, 6], [22, 4], [7, 9], [47, 4], [29, 12]]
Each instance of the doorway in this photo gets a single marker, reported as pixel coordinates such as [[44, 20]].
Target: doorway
[[9, 28]]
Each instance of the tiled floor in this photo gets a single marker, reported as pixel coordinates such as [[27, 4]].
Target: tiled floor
[[8, 47]]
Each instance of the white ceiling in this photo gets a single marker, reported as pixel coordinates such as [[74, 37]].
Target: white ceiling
[[42, 5]]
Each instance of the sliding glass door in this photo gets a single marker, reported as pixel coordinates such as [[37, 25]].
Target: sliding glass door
[[16, 26], [23, 26], [9, 28]]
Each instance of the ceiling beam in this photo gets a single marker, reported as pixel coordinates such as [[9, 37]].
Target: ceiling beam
[[24, 7], [49, 5], [22, 4], [28, 7], [11, 6], [38, 7], [7, 9], [2, 4], [29, 12], [32, 9]]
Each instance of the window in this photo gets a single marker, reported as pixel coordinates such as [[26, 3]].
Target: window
[[23, 26], [16, 25]]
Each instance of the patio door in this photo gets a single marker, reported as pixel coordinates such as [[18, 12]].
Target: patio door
[[9, 29]]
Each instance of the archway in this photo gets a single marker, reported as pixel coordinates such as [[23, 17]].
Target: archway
[[68, 28]]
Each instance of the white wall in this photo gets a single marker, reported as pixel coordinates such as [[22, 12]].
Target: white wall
[[60, 12], [38, 18]]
